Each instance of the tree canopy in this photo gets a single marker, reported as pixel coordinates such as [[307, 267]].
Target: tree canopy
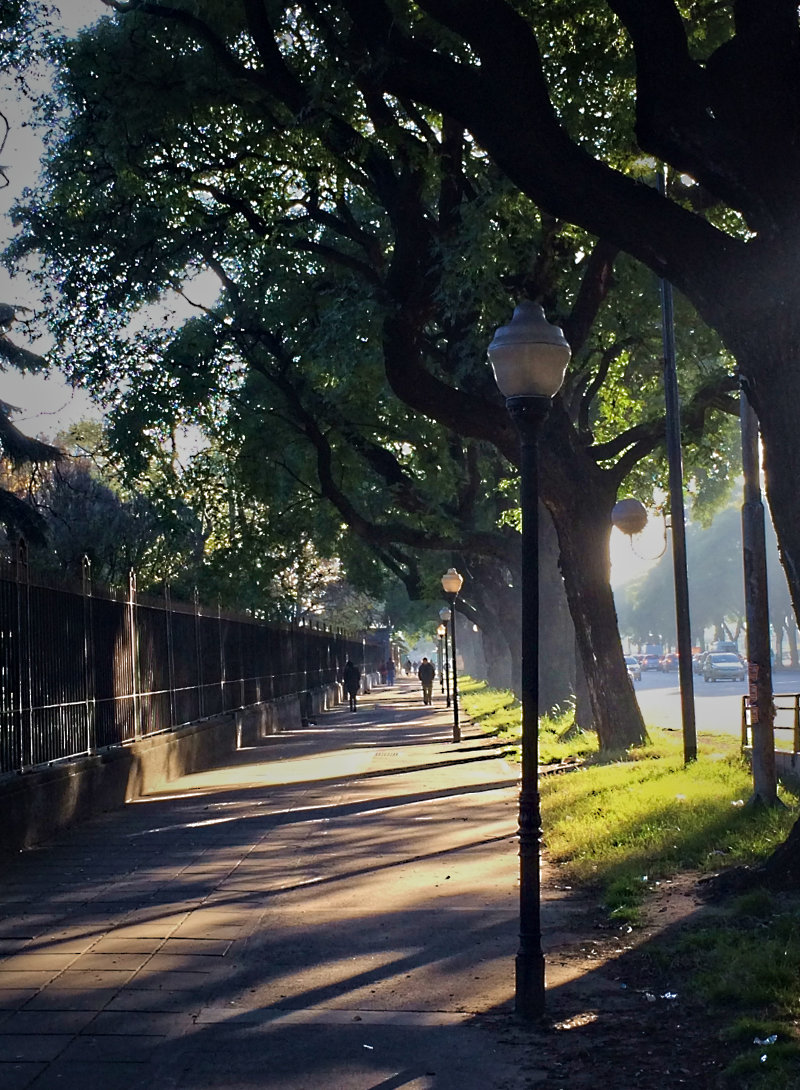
[[365, 246]]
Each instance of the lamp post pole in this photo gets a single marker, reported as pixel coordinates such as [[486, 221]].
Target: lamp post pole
[[451, 585], [441, 632], [529, 357], [528, 413], [444, 615]]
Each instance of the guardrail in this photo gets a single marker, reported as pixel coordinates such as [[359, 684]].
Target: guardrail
[[787, 717]]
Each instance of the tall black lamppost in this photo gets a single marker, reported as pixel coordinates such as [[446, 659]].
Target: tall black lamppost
[[529, 357], [444, 617], [441, 632], [451, 585]]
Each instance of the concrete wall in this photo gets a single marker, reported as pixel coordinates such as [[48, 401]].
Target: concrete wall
[[36, 805], [788, 767]]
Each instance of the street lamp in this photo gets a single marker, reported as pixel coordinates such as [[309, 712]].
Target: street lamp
[[529, 358], [441, 632], [451, 585], [444, 617]]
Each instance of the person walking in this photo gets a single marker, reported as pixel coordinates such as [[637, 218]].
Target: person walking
[[351, 676], [426, 674], [390, 672]]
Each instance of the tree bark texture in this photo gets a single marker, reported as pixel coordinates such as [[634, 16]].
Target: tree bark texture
[[580, 497]]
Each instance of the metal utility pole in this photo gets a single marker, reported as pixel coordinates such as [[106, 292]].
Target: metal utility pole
[[678, 515]]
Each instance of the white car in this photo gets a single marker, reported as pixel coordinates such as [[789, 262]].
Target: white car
[[723, 666], [634, 669]]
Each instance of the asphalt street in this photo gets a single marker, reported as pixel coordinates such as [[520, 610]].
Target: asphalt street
[[718, 705]]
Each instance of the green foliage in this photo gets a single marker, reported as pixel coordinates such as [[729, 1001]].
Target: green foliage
[[364, 248], [749, 966], [500, 713], [629, 824]]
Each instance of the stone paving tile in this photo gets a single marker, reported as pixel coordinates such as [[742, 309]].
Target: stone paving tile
[[116, 942], [16, 1048], [140, 1023], [72, 979], [154, 1000], [34, 960], [61, 999], [99, 1075], [107, 1047], [10, 946], [170, 981], [27, 1021], [22, 979], [202, 929], [13, 999], [61, 943], [182, 963], [19, 1076], [105, 959], [204, 947], [150, 923]]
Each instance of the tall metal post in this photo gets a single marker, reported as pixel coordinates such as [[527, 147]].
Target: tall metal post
[[675, 463], [445, 621], [762, 707], [456, 726], [528, 413], [133, 628]]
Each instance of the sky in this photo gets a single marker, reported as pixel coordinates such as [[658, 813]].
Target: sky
[[46, 404]]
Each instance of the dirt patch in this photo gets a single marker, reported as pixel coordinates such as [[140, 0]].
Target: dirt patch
[[618, 1016]]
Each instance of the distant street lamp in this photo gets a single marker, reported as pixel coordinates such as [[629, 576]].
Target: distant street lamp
[[441, 632], [444, 616], [451, 585], [529, 357]]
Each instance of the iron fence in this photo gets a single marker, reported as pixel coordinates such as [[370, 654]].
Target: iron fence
[[83, 668]]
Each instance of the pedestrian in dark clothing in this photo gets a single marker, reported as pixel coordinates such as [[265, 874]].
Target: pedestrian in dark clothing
[[351, 676], [389, 672], [426, 674]]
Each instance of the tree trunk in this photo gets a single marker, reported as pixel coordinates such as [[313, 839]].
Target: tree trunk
[[580, 497], [556, 631], [495, 591], [584, 720], [586, 564], [782, 869]]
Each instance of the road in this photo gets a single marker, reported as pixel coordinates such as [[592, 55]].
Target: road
[[718, 705]]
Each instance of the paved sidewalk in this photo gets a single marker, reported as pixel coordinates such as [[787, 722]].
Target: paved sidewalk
[[336, 909]]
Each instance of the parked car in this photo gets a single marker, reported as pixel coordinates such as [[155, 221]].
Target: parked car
[[634, 669], [723, 665]]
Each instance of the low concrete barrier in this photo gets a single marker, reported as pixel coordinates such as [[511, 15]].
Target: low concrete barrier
[[38, 804], [787, 766]]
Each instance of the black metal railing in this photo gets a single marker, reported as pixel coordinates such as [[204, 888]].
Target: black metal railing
[[83, 668]]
